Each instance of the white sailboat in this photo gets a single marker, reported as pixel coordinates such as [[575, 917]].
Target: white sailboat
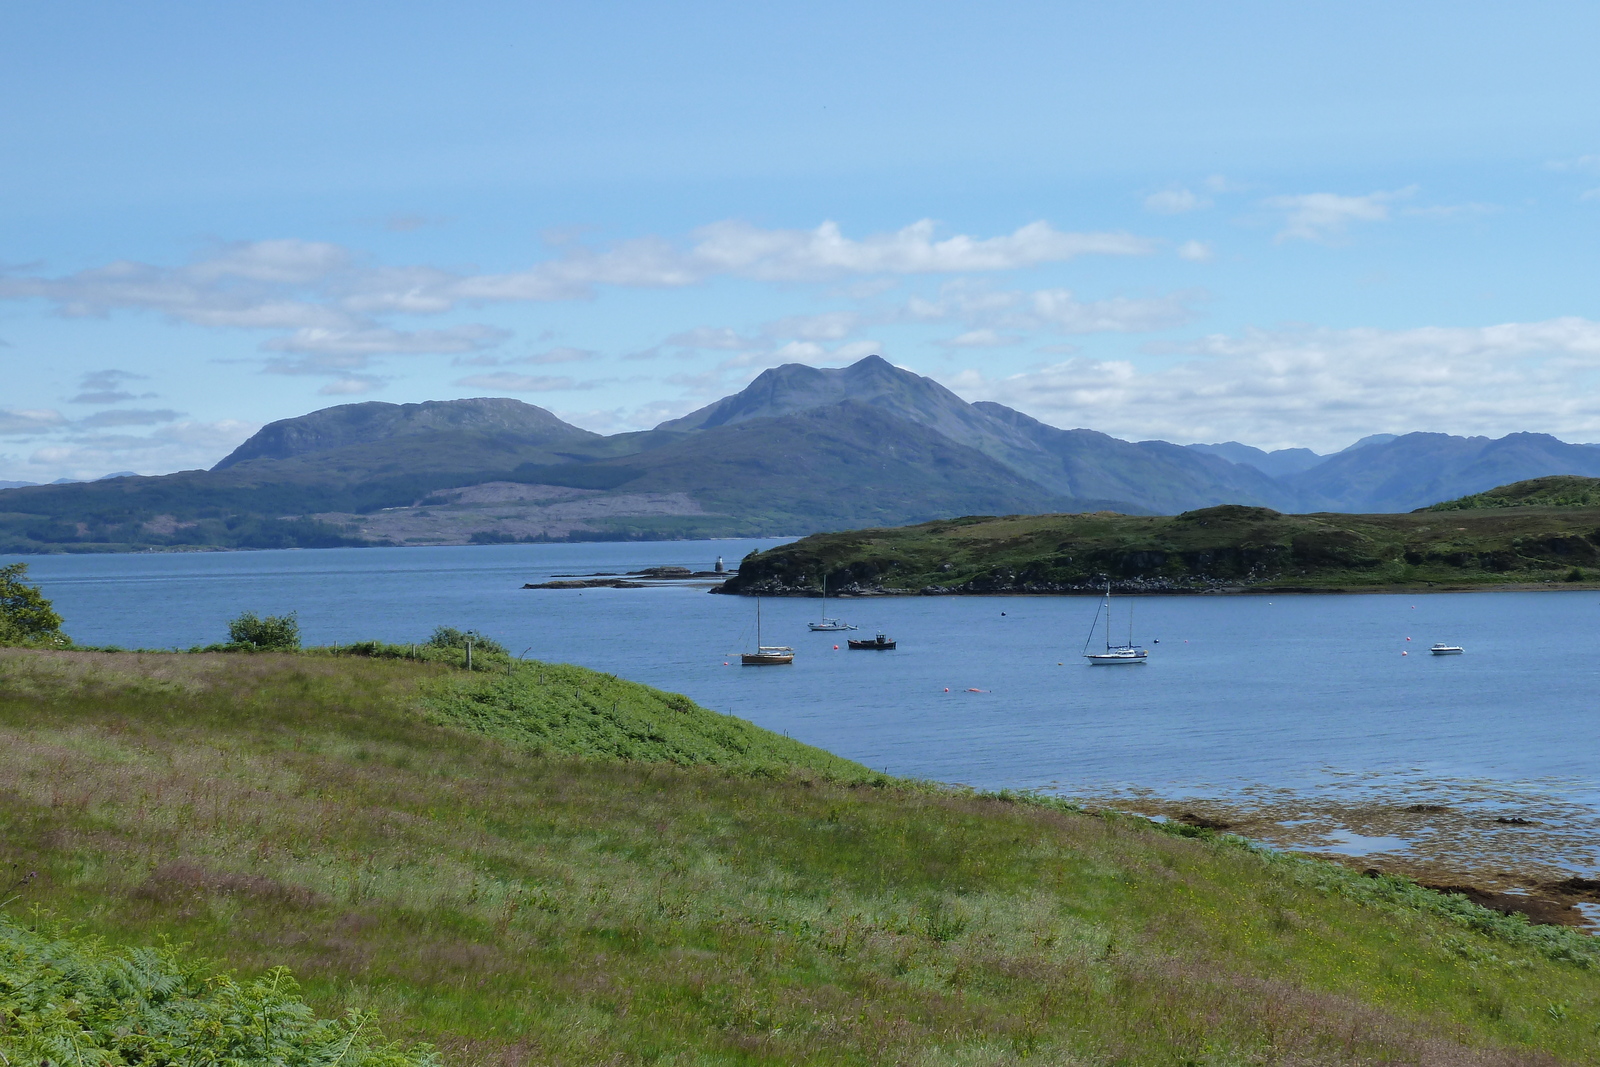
[[827, 624], [765, 655], [1113, 654]]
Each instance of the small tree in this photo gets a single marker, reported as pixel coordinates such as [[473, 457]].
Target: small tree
[[274, 633], [26, 617]]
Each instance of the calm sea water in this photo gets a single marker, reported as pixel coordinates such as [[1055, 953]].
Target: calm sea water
[[1279, 691]]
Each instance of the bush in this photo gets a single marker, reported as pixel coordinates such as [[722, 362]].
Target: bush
[[450, 637], [274, 633], [72, 1000], [1575, 575], [26, 617]]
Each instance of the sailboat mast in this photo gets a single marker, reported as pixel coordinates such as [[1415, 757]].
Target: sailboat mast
[[1108, 615], [758, 624]]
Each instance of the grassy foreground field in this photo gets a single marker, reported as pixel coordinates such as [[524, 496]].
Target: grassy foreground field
[[1546, 530], [554, 866]]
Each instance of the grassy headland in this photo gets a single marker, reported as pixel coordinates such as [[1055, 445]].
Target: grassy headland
[[1545, 530], [541, 864]]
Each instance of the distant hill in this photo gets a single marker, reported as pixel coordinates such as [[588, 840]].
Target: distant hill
[[801, 449], [361, 424], [1559, 492]]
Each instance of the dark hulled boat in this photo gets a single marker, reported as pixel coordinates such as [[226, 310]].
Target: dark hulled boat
[[879, 642]]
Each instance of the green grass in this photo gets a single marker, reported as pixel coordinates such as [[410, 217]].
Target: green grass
[[430, 845], [1228, 547]]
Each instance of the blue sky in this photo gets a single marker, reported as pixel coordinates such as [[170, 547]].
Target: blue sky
[[1289, 225]]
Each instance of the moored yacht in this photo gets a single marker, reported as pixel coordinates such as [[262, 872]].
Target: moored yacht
[[765, 655], [1113, 654]]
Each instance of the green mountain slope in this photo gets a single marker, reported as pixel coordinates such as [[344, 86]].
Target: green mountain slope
[[351, 818], [1226, 547]]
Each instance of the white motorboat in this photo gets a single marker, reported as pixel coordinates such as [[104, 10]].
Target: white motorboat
[[765, 655], [1114, 654], [1447, 650]]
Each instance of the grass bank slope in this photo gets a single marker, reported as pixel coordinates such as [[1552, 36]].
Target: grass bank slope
[[1521, 534], [398, 835]]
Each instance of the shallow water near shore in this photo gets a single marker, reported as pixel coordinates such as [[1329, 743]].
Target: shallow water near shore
[[1241, 693]]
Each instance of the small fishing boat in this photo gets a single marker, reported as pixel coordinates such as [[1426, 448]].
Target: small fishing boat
[[828, 625], [1113, 654], [765, 655], [1447, 650], [880, 643]]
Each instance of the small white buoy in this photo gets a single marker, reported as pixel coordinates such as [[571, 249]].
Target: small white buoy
[[1405, 653]]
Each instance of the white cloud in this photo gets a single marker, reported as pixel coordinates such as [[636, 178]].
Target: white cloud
[[1324, 388], [743, 250], [105, 387], [182, 446], [18, 422], [1589, 164], [1322, 216], [1055, 310], [352, 385], [1195, 251], [375, 341], [1175, 202], [128, 417], [507, 382], [979, 339]]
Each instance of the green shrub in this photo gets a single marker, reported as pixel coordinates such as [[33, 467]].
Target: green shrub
[[1575, 575], [70, 1000], [274, 633], [26, 617], [450, 637]]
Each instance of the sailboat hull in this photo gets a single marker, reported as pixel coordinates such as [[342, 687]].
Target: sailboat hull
[[766, 659], [1116, 658]]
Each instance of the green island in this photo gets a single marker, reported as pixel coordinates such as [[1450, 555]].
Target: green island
[[1545, 531], [377, 855]]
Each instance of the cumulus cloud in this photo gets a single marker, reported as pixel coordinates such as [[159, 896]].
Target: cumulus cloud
[[1175, 201], [1195, 251], [1324, 388], [1323, 216]]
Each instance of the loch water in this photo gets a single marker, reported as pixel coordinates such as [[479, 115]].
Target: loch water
[[990, 691]]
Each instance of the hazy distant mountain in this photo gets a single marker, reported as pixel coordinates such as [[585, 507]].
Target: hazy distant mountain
[[1370, 440], [1278, 464], [1418, 469], [800, 449], [1156, 476], [360, 424], [1074, 464], [15, 485]]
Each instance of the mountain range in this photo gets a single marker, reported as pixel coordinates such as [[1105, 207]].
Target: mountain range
[[799, 450]]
